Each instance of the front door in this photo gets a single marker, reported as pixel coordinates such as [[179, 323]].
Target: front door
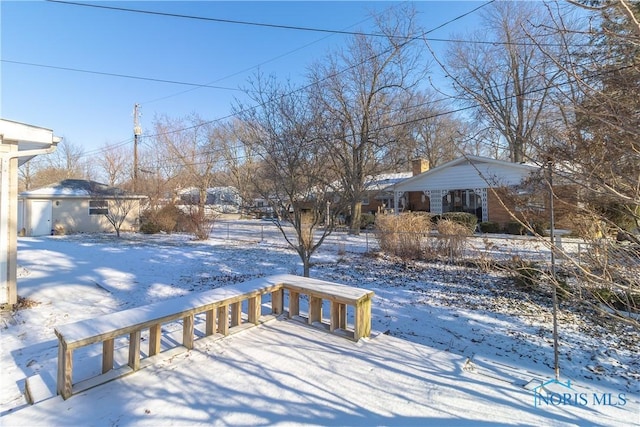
[[41, 217]]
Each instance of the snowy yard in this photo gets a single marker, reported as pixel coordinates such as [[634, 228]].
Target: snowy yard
[[471, 332]]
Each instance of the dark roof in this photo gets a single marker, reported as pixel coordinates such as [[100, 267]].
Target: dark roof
[[78, 188], [91, 187]]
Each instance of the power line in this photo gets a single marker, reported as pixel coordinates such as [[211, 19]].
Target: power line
[[220, 20], [410, 121], [254, 66], [198, 85], [151, 79], [243, 22], [314, 29], [341, 71], [407, 38], [411, 107], [214, 151]]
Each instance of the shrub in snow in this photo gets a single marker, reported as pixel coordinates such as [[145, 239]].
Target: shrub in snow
[[451, 238], [489, 227], [403, 235]]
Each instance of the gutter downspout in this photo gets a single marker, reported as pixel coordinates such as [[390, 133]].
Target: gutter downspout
[[5, 217]]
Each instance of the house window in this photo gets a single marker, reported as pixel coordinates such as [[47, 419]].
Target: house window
[[463, 201], [365, 201], [98, 207]]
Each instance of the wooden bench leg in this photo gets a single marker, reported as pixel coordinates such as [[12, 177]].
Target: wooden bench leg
[[236, 314], [294, 303], [277, 301], [210, 322], [187, 331], [107, 355], [254, 311], [65, 371], [362, 327], [155, 333], [134, 350], [223, 320], [315, 309], [338, 316]]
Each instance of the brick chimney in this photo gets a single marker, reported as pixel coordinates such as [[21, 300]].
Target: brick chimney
[[419, 166]]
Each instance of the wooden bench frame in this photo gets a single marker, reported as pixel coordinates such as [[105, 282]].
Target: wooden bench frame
[[223, 310]]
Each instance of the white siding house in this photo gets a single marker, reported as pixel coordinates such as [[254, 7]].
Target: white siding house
[[461, 185], [75, 206]]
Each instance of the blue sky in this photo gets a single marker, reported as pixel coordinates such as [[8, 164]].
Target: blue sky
[[92, 110]]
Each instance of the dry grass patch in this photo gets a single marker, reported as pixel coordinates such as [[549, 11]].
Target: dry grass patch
[[403, 235]]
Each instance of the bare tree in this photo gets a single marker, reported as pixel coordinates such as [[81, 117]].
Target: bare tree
[[429, 132], [117, 206], [120, 208], [67, 159], [360, 93], [591, 155], [595, 150], [194, 146], [115, 164], [291, 175], [26, 174], [66, 162], [159, 174], [242, 161], [503, 75]]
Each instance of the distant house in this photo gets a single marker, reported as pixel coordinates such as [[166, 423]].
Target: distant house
[[379, 188], [76, 206], [219, 199], [378, 192], [462, 185]]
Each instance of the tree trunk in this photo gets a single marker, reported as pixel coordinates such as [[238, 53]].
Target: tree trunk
[[306, 265], [356, 213]]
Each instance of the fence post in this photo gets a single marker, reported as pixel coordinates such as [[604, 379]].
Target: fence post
[[366, 238]]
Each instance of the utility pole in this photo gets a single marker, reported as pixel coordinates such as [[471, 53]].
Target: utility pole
[[136, 133]]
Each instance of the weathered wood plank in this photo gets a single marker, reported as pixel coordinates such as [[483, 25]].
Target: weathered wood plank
[[36, 389], [210, 322], [223, 320], [294, 303], [155, 334], [187, 331], [362, 327], [254, 309], [326, 290], [236, 313], [338, 316], [107, 355], [277, 301], [134, 350], [65, 371], [112, 325], [216, 305], [315, 309]]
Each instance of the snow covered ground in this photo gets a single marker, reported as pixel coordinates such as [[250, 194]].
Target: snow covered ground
[[452, 345]]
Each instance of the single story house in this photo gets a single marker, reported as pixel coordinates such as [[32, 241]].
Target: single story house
[[380, 188], [462, 185], [219, 199], [378, 195], [76, 206]]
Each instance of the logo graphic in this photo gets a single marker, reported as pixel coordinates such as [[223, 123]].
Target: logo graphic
[[557, 393]]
